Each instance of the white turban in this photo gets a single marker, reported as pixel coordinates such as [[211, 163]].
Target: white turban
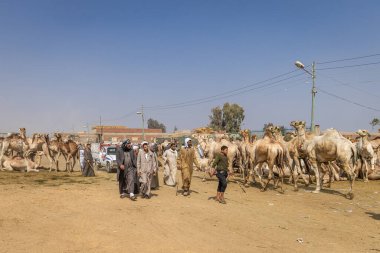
[[143, 143], [186, 141]]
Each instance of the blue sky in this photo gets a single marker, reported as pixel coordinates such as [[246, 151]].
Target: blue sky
[[64, 64]]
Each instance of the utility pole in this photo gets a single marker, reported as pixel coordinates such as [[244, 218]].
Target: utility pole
[[313, 92], [101, 130], [300, 65], [142, 118]]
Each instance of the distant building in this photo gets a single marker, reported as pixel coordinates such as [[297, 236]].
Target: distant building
[[120, 133]]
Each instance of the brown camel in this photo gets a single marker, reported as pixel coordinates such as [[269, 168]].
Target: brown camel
[[69, 150]]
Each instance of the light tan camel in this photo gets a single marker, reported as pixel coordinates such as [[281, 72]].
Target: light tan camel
[[268, 150], [19, 164], [14, 142], [366, 153], [329, 147], [38, 145]]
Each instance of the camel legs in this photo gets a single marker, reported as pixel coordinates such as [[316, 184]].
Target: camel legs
[[2, 152], [365, 170], [351, 176], [316, 166], [270, 176], [74, 157]]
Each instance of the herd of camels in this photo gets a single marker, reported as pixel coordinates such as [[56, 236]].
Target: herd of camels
[[298, 155], [29, 151]]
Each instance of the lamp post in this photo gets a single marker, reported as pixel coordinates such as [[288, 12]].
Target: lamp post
[[300, 65], [142, 118]]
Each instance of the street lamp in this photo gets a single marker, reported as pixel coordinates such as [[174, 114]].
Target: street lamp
[[142, 118], [300, 65]]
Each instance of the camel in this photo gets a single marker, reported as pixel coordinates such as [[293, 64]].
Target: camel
[[268, 150], [246, 134], [329, 147], [233, 153], [376, 148], [39, 146], [69, 150], [20, 164], [297, 155], [14, 142], [203, 163], [366, 153], [295, 171]]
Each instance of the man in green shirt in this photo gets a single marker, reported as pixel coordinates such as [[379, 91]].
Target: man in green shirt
[[221, 165]]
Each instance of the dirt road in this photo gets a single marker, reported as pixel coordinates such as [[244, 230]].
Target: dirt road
[[62, 212]]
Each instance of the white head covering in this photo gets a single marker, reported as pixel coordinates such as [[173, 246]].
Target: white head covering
[[143, 143], [186, 141], [135, 147]]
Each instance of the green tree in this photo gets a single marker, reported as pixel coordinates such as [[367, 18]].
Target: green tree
[[216, 119], [229, 118], [374, 122], [154, 124], [175, 129]]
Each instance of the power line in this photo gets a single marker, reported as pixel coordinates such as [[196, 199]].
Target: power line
[[349, 59], [348, 100], [350, 86], [351, 66], [270, 85], [221, 94]]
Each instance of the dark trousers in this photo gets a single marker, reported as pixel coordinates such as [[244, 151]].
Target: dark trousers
[[222, 176], [122, 182]]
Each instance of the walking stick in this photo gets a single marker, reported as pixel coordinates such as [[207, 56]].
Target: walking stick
[[241, 186]]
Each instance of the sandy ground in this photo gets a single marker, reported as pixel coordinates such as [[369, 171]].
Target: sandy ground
[[62, 212]]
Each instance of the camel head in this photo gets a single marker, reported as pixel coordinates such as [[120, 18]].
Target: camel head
[[58, 136], [22, 132], [270, 130], [363, 133], [298, 125]]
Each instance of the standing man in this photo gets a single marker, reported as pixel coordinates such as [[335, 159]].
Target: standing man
[[88, 169], [170, 165], [221, 165], [146, 169], [155, 184], [126, 169], [81, 157], [185, 162]]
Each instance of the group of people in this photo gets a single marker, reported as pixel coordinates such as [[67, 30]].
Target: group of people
[[137, 169]]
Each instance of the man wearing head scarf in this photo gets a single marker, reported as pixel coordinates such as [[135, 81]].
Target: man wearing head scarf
[[185, 162], [155, 183], [146, 169], [170, 165], [126, 169]]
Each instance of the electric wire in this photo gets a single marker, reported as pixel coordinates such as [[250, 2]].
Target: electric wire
[[349, 59], [350, 66], [348, 100]]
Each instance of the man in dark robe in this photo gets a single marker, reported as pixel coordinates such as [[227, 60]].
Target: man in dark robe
[[88, 170], [126, 170]]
